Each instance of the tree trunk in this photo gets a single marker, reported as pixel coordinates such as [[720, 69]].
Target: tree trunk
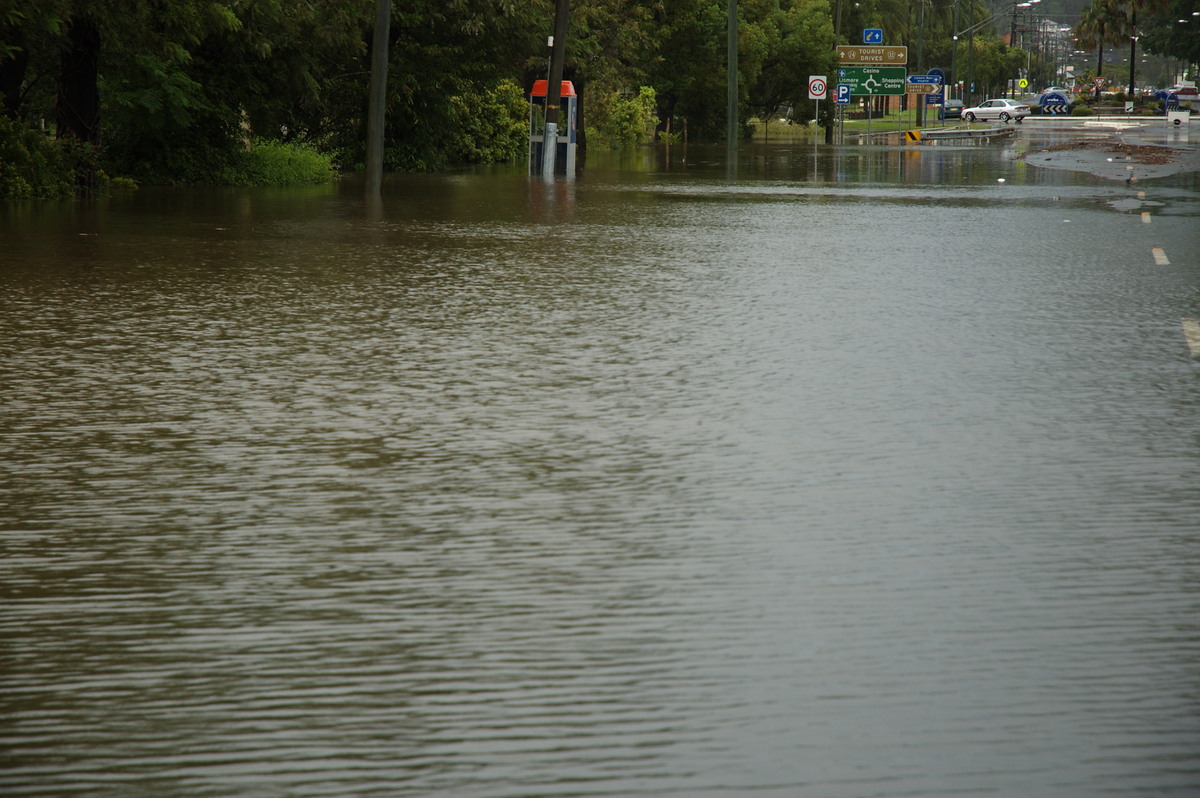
[[12, 75], [77, 111], [78, 107]]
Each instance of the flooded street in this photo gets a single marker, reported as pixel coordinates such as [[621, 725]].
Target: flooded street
[[833, 472]]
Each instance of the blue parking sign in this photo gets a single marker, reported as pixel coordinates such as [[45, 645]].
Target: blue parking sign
[[843, 94]]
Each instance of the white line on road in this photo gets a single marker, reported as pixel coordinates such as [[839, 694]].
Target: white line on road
[[1160, 257], [1145, 217], [1191, 331]]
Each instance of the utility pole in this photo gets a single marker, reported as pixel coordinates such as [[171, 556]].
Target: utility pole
[[835, 111], [558, 53], [378, 96], [920, 98], [731, 93]]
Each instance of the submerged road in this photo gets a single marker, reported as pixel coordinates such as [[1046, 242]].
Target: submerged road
[[842, 472]]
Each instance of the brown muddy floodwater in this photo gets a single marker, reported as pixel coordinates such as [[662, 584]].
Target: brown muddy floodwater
[[846, 475]]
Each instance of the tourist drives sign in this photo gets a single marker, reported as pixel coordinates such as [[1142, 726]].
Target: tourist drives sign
[[872, 79], [879, 56]]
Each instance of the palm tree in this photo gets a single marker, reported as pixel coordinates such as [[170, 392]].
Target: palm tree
[[1100, 24], [1133, 7]]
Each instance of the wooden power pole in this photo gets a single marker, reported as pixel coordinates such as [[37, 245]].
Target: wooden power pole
[[558, 55], [377, 102]]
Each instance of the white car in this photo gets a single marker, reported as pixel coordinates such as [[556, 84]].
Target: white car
[[1003, 110]]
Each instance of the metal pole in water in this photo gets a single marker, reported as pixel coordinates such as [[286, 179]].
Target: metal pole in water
[[558, 51]]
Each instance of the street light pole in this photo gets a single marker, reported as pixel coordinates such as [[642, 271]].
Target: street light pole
[[954, 51], [1133, 37], [970, 31]]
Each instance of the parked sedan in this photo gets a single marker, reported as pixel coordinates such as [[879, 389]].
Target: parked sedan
[[951, 109], [1003, 110]]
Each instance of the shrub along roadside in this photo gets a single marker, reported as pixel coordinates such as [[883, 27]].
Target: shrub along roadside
[[276, 163], [32, 164], [617, 121]]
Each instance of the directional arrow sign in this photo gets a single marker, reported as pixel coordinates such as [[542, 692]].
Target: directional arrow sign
[[872, 80], [923, 84], [872, 35]]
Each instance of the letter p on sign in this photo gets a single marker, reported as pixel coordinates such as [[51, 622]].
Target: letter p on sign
[[816, 87]]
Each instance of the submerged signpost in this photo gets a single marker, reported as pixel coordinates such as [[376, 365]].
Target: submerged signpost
[[871, 69]]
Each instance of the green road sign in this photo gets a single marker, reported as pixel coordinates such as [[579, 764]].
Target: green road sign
[[872, 80]]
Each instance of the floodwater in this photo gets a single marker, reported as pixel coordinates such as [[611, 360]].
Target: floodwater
[[835, 472]]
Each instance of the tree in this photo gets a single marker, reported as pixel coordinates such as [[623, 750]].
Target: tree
[[688, 73], [1126, 16], [1173, 31], [1101, 23], [791, 40]]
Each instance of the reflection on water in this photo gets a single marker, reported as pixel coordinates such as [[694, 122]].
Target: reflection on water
[[856, 475]]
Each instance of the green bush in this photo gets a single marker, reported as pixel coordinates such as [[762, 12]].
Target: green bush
[[618, 121], [276, 163], [1082, 110], [490, 127], [476, 123], [33, 165]]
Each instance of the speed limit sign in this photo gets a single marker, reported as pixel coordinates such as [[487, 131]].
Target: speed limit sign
[[816, 87]]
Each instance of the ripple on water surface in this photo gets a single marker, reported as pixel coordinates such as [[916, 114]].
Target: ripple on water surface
[[658, 488]]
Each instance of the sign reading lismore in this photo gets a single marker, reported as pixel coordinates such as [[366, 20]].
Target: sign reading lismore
[[923, 84], [872, 80], [880, 56]]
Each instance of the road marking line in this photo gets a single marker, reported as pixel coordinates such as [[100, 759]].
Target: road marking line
[[1145, 217], [1191, 331], [1160, 257], [1141, 195]]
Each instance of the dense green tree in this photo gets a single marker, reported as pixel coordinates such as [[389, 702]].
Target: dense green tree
[[688, 73], [183, 87], [786, 42], [1173, 30]]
